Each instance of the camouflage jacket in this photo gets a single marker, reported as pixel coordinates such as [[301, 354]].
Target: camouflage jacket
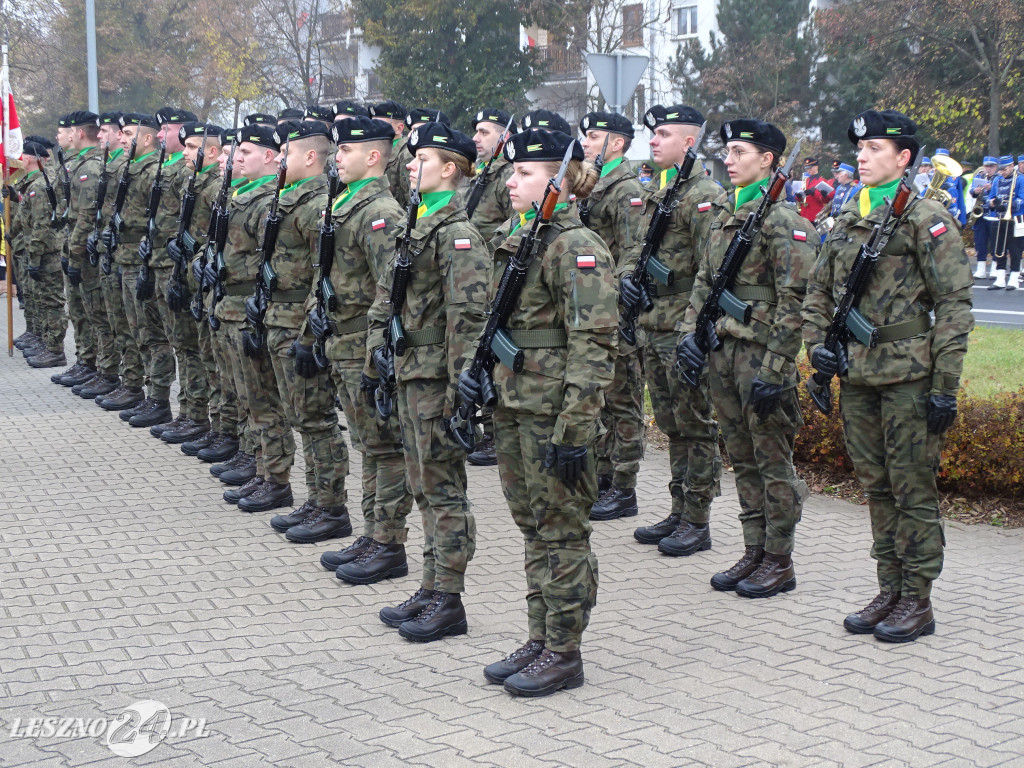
[[398, 177], [570, 287], [176, 173], [301, 210], [779, 264], [21, 231], [615, 209], [247, 208], [207, 186], [141, 173], [680, 249], [84, 168], [366, 227], [447, 294], [115, 164], [923, 269], [40, 241], [495, 207]]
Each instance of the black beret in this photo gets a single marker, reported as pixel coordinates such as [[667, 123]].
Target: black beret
[[137, 118], [496, 116], [109, 118], [349, 109], [541, 145], [441, 136], [421, 115], [44, 140], [607, 121], [296, 131], [229, 135], [34, 149], [166, 115], [757, 132], [290, 113], [547, 120], [888, 124], [360, 129], [259, 118], [260, 135], [392, 110], [679, 114], [77, 119], [319, 113], [197, 129]]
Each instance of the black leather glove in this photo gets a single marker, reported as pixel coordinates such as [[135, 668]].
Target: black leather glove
[[824, 361], [380, 362], [176, 301], [630, 294], [210, 274], [92, 243], [305, 361], [569, 461], [197, 271], [109, 239], [469, 388], [689, 355], [368, 387], [64, 264], [74, 276], [764, 398], [145, 284], [941, 413], [318, 323], [35, 273], [1000, 205], [145, 250]]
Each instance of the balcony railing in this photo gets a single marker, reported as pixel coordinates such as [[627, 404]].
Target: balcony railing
[[561, 63]]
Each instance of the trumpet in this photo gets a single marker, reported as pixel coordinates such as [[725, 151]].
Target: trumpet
[[945, 168]]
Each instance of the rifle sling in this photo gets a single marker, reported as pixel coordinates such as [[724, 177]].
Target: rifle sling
[[289, 297], [425, 336], [754, 293], [539, 338], [239, 289]]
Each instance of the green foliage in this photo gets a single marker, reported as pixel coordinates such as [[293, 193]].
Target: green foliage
[[456, 55]]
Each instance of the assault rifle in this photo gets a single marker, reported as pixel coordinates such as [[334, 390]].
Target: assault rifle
[[101, 196], [144, 283], [116, 223], [480, 182], [51, 196], [326, 300], [584, 205], [185, 242], [212, 257], [65, 186]]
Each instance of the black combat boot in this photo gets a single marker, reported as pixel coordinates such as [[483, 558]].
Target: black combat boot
[[222, 450], [268, 496], [484, 454], [157, 430], [685, 540], [328, 523], [331, 560], [83, 375], [615, 503], [444, 616], [160, 413], [233, 462], [116, 393], [234, 495], [189, 429], [652, 534], [604, 482], [48, 359], [909, 619], [377, 562], [23, 341], [205, 440], [546, 674], [141, 407], [395, 616], [282, 523], [72, 371], [241, 473], [775, 574], [726, 581], [864, 621], [102, 384], [517, 661]]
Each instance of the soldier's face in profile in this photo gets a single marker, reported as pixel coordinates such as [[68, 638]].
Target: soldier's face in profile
[[436, 173], [485, 138], [746, 162], [879, 161], [127, 134], [526, 185], [670, 142]]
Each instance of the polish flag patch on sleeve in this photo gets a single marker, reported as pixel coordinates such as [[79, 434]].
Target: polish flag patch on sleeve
[[83, 177], [463, 244], [636, 201], [799, 234], [937, 229], [586, 261], [32, 194], [704, 207], [378, 224]]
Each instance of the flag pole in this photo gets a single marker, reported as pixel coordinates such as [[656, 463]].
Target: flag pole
[[5, 244]]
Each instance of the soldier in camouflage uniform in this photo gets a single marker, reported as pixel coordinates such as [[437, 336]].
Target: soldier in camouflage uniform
[[614, 210], [396, 173], [753, 372], [265, 476], [681, 412], [305, 389], [367, 222], [17, 237], [548, 416], [899, 397], [444, 309]]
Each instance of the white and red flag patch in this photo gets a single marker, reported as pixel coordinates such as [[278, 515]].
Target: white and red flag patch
[[83, 177], [636, 201], [378, 224], [704, 207], [937, 229], [586, 261], [463, 244], [799, 234]]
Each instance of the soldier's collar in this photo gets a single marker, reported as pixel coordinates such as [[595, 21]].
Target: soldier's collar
[[611, 165], [750, 192], [531, 214], [350, 192]]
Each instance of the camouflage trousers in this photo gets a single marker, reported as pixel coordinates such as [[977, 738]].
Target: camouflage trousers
[[53, 321], [561, 569], [107, 356], [26, 293], [770, 493], [684, 415], [234, 421], [133, 373], [621, 447], [387, 500], [309, 406], [436, 466], [218, 403], [180, 330], [85, 342], [148, 331], [261, 398], [897, 460]]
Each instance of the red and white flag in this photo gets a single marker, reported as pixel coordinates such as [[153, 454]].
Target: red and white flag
[[10, 137]]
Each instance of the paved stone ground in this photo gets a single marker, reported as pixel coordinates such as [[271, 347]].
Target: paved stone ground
[[125, 577]]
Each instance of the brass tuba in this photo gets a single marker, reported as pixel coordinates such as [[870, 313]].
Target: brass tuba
[[945, 168]]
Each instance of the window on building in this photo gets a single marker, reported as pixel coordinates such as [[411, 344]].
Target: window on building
[[685, 18], [633, 25]]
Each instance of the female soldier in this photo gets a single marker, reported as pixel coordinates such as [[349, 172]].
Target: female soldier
[[547, 416], [445, 304]]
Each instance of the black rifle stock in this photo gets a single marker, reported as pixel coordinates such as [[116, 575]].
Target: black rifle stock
[[101, 197], [186, 242], [152, 206], [213, 252], [326, 300], [51, 197], [65, 186], [116, 223]]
